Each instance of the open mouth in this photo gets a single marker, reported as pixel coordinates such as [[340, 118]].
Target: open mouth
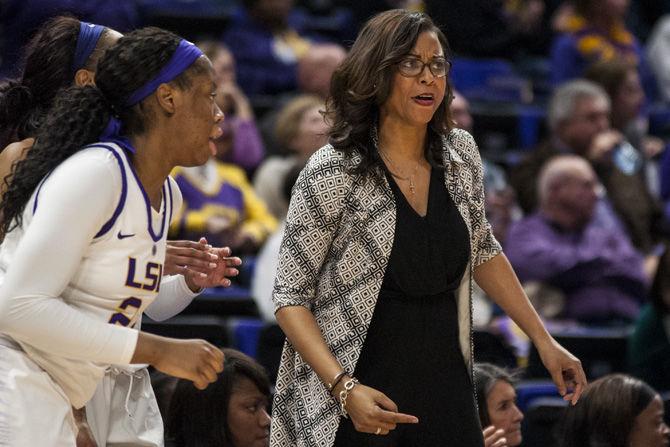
[[425, 99]]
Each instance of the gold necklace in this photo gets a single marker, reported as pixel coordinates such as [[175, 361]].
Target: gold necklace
[[410, 178]]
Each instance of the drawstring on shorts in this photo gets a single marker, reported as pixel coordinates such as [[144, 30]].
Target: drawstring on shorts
[[132, 375]]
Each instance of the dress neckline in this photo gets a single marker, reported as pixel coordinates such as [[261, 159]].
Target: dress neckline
[[399, 192]]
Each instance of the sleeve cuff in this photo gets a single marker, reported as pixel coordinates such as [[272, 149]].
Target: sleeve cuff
[[184, 290], [127, 342]]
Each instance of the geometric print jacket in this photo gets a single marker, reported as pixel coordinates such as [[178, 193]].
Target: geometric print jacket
[[337, 242]]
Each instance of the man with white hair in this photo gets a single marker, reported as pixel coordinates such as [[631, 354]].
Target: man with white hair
[[578, 119], [562, 245]]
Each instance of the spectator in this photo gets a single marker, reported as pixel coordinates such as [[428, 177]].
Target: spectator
[[595, 31], [621, 81], [274, 55], [300, 130], [221, 205], [500, 201], [496, 401], [240, 142], [268, 258], [658, 48], [649, 345], [578, 119], [231, 412], [616, 411], [600, 273]]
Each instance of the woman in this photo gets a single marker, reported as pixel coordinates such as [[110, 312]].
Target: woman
[[221, 204], [232, 412], [595, 31], [68, 270], [616, 411], [300, 130], [496, 402], [240, 143], [354, 292], [64, 52]]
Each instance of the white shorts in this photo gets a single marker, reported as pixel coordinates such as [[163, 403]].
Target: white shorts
[[34, 410], [124, 412]]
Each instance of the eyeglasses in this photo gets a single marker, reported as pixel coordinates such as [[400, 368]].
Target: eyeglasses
[[413, 66]]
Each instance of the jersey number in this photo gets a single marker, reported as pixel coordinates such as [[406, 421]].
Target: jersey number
[[120, 317], [152, 282]]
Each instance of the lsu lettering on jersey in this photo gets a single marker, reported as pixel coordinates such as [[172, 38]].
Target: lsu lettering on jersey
[[120, 272]]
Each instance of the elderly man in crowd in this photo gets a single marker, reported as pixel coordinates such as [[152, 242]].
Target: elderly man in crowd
[[562, 245], [579, 123]]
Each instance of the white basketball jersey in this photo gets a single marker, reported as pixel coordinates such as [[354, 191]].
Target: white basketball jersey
[[120, 272]]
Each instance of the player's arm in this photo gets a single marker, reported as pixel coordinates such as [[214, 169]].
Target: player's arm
[[73, 204]]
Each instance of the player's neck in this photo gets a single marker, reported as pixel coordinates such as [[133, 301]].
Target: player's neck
[[152, 168]]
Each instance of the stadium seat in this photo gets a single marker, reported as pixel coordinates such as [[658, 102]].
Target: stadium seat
[[209, 327], [540, 420], [489, 80], [246, 332], [601, 350], [530, 390]]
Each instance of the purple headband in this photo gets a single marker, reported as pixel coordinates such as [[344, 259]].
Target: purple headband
[[183, 57], [89, 34]]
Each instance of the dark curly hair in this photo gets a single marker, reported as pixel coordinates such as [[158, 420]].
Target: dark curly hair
[[200, 417], [363, 82], [47, 68], [80, 114]]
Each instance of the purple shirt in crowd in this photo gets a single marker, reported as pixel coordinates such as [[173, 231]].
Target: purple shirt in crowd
[[247, 149], [597, 268]]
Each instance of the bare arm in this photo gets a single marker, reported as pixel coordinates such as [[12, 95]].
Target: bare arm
[[11, 154], [499, 281], [300, 327]]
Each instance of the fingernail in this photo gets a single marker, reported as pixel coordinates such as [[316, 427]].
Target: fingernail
[[213, 257], [203, 275], [212, 265]]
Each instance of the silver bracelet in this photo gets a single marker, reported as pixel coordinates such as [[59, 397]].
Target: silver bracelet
[[348, 386]]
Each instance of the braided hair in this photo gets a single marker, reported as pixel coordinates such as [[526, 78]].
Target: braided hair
[[48, 58], [47, 63], [80, 114]]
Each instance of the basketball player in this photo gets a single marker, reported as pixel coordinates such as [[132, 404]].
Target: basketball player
[[85, 228]]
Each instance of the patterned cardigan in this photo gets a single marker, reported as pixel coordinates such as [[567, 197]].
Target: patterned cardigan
[[337, 243]]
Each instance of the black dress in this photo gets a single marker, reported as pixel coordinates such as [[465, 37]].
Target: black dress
[[412, 352]]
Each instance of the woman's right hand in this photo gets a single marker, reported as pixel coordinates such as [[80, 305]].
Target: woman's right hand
[[194, 360], [494, 437], [371, 411]]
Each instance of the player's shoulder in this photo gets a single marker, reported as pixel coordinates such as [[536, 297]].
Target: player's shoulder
[[106, 155]]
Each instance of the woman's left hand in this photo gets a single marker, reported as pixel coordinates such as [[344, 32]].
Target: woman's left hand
[[182, 256], [226, 267], [565, 369]]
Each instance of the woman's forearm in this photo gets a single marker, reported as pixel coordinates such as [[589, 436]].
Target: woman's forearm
[[301, 329], [497, 278]]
